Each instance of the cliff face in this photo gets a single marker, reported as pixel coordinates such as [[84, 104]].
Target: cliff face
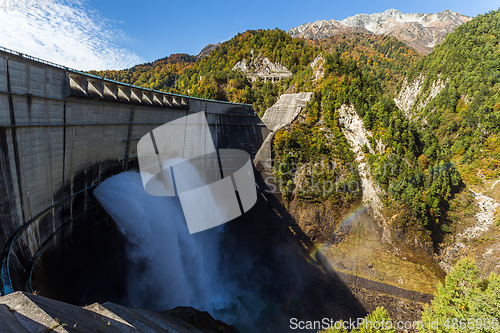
[[420, 31], [318, 67], [357, 137]]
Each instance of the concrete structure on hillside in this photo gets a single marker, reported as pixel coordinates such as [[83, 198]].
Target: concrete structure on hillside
[[282, 113], [62, 132], [285, 110]]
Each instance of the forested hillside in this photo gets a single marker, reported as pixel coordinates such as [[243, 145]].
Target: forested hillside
[[212, 77], [465, 116], [160, 74], [385, 57], [419, 188]]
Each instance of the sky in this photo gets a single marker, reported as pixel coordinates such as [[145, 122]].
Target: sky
[[112, 34]]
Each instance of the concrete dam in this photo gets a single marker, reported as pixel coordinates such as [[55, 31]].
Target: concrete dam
[[62, 132]]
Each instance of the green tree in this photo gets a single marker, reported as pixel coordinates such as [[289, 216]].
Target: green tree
[[465, 303]]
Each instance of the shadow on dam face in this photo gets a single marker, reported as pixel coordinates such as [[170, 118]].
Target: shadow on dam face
[[85, 262]]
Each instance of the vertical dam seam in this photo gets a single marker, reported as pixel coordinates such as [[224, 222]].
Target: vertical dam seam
[[14, 142]]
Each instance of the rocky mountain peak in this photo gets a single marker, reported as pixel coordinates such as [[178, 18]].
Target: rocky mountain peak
[[420, 31], [207, 50]]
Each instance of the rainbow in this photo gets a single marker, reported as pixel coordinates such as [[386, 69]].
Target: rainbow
[[316, 251]]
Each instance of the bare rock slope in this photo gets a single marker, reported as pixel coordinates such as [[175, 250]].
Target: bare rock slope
[[411, 93], [261, 67], [207, 50], [357, 137]]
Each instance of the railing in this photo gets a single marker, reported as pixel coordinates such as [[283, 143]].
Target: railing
[[26, 56]]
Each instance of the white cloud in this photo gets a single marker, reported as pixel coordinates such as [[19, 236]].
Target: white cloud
[[73, 35]]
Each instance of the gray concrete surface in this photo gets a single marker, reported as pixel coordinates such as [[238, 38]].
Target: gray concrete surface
[[32, 317], [9, 322], [22, 312], [282, 113], [285, 110]]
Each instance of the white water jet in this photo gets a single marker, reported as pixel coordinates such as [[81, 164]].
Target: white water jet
[[169, 266]]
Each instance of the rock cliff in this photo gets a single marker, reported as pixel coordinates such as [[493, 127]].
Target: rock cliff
[[261, 67], [411, 93], [357, 137]]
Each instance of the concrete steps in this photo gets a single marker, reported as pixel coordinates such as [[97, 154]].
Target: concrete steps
[[21, 312]]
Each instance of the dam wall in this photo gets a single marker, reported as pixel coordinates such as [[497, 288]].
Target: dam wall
[[62, 132]]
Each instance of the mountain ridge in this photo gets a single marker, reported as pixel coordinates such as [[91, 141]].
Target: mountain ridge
[[420, 31]]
